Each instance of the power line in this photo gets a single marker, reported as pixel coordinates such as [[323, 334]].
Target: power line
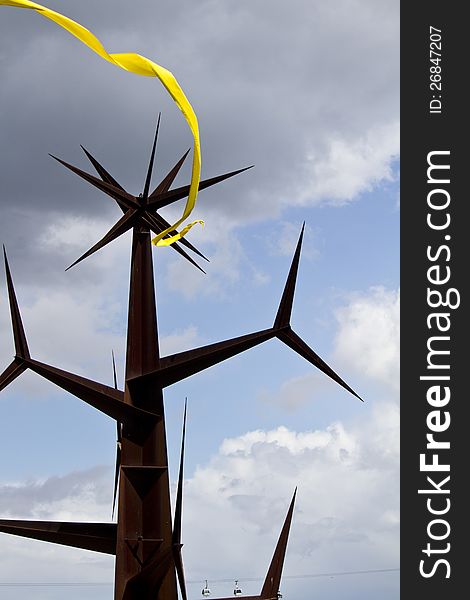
[[309, 576], [54, 584], [191, 581]]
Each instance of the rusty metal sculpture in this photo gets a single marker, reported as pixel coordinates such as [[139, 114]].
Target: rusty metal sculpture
[[146, 543]]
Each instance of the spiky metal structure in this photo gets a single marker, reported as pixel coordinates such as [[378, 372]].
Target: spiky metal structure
[[146, 543]]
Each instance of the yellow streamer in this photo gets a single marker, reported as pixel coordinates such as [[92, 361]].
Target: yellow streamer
[[141, 66]]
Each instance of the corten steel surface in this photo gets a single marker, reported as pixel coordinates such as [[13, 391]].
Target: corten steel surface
[[146, 543]]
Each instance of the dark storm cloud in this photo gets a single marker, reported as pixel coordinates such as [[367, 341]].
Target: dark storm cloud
[[271, 82]]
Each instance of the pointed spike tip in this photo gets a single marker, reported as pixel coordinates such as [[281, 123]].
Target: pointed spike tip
[[284, 312], [296, 343], [105, 176], [179, 492], [273, 577], [167, 181], [119, 228], [152, 160], [158, 201], [19, 335], [114, 371]]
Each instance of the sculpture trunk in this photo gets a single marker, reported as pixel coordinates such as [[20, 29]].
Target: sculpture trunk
[[144, 534]]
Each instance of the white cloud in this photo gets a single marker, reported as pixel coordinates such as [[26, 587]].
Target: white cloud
[[369, 335], [285, 237], [224, 272], [77, 331], [180, 341], [78, 496], [73, 231], [367, 341], [346, 513], [350, 167], [297, 391]]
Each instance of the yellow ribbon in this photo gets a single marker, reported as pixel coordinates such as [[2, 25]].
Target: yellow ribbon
[[141, 66]]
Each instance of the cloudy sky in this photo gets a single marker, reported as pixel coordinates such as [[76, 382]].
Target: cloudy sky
[[306, 91]]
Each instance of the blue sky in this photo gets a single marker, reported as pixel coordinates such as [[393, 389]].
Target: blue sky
[[307, 93]]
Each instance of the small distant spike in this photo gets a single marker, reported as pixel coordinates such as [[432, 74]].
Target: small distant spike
[[21, 344], [285, 306], [273, 578], [118, 444], [152, 159], [117, 466], [176, 539], [166, 182], [125, 223], [167, 198], [116, 193], [115, 381], [179, 493]]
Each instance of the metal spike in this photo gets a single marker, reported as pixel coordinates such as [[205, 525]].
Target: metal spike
[[176, 537], [152, 158], [13, 371], [282, 322], [184, 364], [99, 537], [273, 577], [154, 225], [285, 306], [291, 339], [167, 198], [181, 252], [102, 172], [21, 344], [114, 371], [166, 182], [118, 444], [117, 468], [179, 493], [180, 572], [116, 193], [125, 223], [161, 222], [102, 397]]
